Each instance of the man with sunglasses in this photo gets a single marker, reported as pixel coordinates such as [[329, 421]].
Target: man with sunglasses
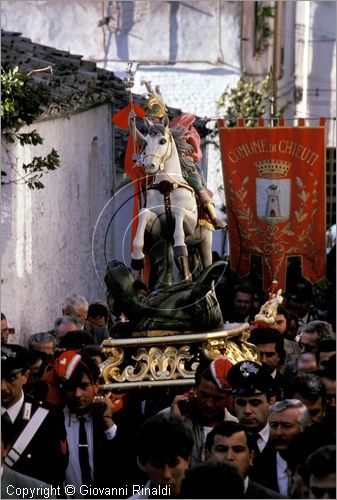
[[36, 452], [313, 333]]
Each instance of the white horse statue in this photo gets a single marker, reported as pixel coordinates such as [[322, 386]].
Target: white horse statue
[[171, 210]]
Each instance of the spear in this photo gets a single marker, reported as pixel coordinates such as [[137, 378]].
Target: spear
[[129, 82]]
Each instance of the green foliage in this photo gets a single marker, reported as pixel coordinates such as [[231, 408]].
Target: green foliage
[[22, 102], [247, 100], [39, 166], [262, 29]]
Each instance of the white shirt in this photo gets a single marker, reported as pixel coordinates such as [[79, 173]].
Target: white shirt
[[245, 484], [282, 475], [264, 437], [73, 474], [227, 414], [14, 410], [303, 321]]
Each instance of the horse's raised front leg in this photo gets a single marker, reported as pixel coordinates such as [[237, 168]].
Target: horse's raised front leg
[[137, 255]]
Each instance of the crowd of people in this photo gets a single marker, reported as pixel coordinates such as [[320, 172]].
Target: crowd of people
[[247, 430]]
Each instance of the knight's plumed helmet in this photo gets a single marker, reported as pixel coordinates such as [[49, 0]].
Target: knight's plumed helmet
[[155, 107]]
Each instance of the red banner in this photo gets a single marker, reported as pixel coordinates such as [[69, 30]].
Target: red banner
[[275, 196]]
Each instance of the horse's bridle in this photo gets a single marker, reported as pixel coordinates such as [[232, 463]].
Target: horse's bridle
[[165, 156], [162, 159]]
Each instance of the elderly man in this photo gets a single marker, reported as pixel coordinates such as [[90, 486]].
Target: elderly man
[[287, 418], [230, 442], [76, 305], [313, 333], [44, 342], [66, 324]]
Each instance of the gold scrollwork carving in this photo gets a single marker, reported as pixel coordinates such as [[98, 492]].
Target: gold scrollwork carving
[[109, 368], [168, 360], [163, 362], [184, 355], [234, 351], [139, 371]]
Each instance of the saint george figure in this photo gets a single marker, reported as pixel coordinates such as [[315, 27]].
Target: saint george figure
[[187, 141]]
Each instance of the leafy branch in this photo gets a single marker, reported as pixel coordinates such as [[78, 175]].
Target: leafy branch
[[23, 100], [245, 100], [263, 32]]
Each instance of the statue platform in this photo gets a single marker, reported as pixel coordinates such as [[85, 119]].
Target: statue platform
[[169, 358]]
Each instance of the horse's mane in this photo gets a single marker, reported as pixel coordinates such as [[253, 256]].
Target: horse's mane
[[184, 149]]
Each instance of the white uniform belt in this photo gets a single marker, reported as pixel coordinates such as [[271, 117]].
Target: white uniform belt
[[25, 437]]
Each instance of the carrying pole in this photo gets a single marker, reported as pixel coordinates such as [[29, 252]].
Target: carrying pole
[[129, 82]]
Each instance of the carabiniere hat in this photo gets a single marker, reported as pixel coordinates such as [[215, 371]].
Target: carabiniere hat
[[14, 359], [248, 378]]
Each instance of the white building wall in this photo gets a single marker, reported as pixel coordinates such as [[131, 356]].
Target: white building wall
[[155, 31], [316, 62], [47, 243], [194, 46]]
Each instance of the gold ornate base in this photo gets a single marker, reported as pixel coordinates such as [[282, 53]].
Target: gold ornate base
[[170, 358]]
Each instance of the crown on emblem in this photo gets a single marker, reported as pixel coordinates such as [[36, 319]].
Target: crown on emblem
[[273, 168]]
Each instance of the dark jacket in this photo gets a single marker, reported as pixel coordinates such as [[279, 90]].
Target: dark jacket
[[264, 470], [256, 490], [14, 481], [46, 456], [114, 464], [98, 333]]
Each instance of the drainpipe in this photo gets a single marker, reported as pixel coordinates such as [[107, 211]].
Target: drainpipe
[[305, 61], [276, 51]]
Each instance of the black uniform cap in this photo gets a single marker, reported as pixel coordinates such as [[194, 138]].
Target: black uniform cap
[[14, 358], [248, 378]]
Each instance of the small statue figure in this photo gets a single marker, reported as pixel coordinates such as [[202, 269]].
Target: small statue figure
[[268, 310]]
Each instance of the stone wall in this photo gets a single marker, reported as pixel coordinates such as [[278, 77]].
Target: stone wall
[[47, 245]]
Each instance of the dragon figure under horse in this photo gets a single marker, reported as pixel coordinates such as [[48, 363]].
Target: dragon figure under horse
[[171, 211]]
